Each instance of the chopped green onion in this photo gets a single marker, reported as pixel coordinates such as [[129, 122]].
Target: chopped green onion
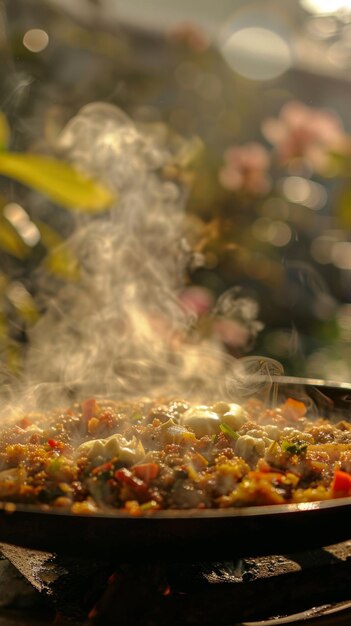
[[294, 448], [136, 417], [58, 180], [227, 430], [4, 132], [151, 504]]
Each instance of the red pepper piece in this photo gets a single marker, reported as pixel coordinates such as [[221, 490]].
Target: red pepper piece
[[105, 467], [146, 471], [125, 476], [56, 445], [341, 485]]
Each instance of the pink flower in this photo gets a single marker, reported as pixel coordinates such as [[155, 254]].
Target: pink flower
[[197, 300], [303, 131], [246, 169], [232, 333]]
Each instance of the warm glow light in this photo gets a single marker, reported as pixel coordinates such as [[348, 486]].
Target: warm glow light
[[256, 53], [275, 232], [18, 294], [279, 234], [303, 191], [296, 189], [36, 40], [307, 506], [341, 255], [326, 7], [322, 27], [21, 221]]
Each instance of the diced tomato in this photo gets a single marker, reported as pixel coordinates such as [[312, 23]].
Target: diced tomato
[[101, 469], [293, 409], [146, 471], [56, 445], [341, 485], [125, 476]]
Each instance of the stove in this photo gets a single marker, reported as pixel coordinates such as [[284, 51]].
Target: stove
[[311, 587]]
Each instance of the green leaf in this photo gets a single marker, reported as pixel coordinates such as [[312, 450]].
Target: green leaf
[[294, 447], [4, 132], [60, 259], [57, 180], [13, 357], [23, 303], [227, 430], [136, 417], [62, 263]]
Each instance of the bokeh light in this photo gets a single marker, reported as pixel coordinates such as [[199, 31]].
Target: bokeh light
[[322, 27], [22, 223], [326, 6], [303, 191], [275, 232], [339, 54], [341, 255], [256, 53], [36, 40]]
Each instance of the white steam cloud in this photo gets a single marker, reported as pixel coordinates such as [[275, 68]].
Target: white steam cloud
[[121, 328]]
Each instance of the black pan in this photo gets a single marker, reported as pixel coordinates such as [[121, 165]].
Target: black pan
[[190, 535]]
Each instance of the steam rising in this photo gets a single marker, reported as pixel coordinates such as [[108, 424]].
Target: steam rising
[[120, 327]]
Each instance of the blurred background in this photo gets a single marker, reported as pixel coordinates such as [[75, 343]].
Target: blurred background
[[262, 91]]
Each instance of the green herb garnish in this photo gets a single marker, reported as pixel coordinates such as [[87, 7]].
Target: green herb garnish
[[227, 430], [136, 417], [294, 447]]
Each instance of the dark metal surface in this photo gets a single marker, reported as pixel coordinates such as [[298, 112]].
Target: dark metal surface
[[278, 588], [182, 535], [187, 535]]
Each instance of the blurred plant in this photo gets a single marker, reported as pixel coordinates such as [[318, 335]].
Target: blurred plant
[[246, 169], [303, 132], [272, 208], [260, 213], [57, 180], [20, 236]]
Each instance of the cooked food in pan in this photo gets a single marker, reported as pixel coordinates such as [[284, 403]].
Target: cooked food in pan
[[146, 455]]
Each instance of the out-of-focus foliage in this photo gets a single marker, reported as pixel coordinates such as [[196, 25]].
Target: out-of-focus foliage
[[57, 180], [268, 207], [61, 183], [4, 132], [279, 227]]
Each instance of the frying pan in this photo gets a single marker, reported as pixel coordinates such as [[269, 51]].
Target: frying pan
[[186, 535]]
